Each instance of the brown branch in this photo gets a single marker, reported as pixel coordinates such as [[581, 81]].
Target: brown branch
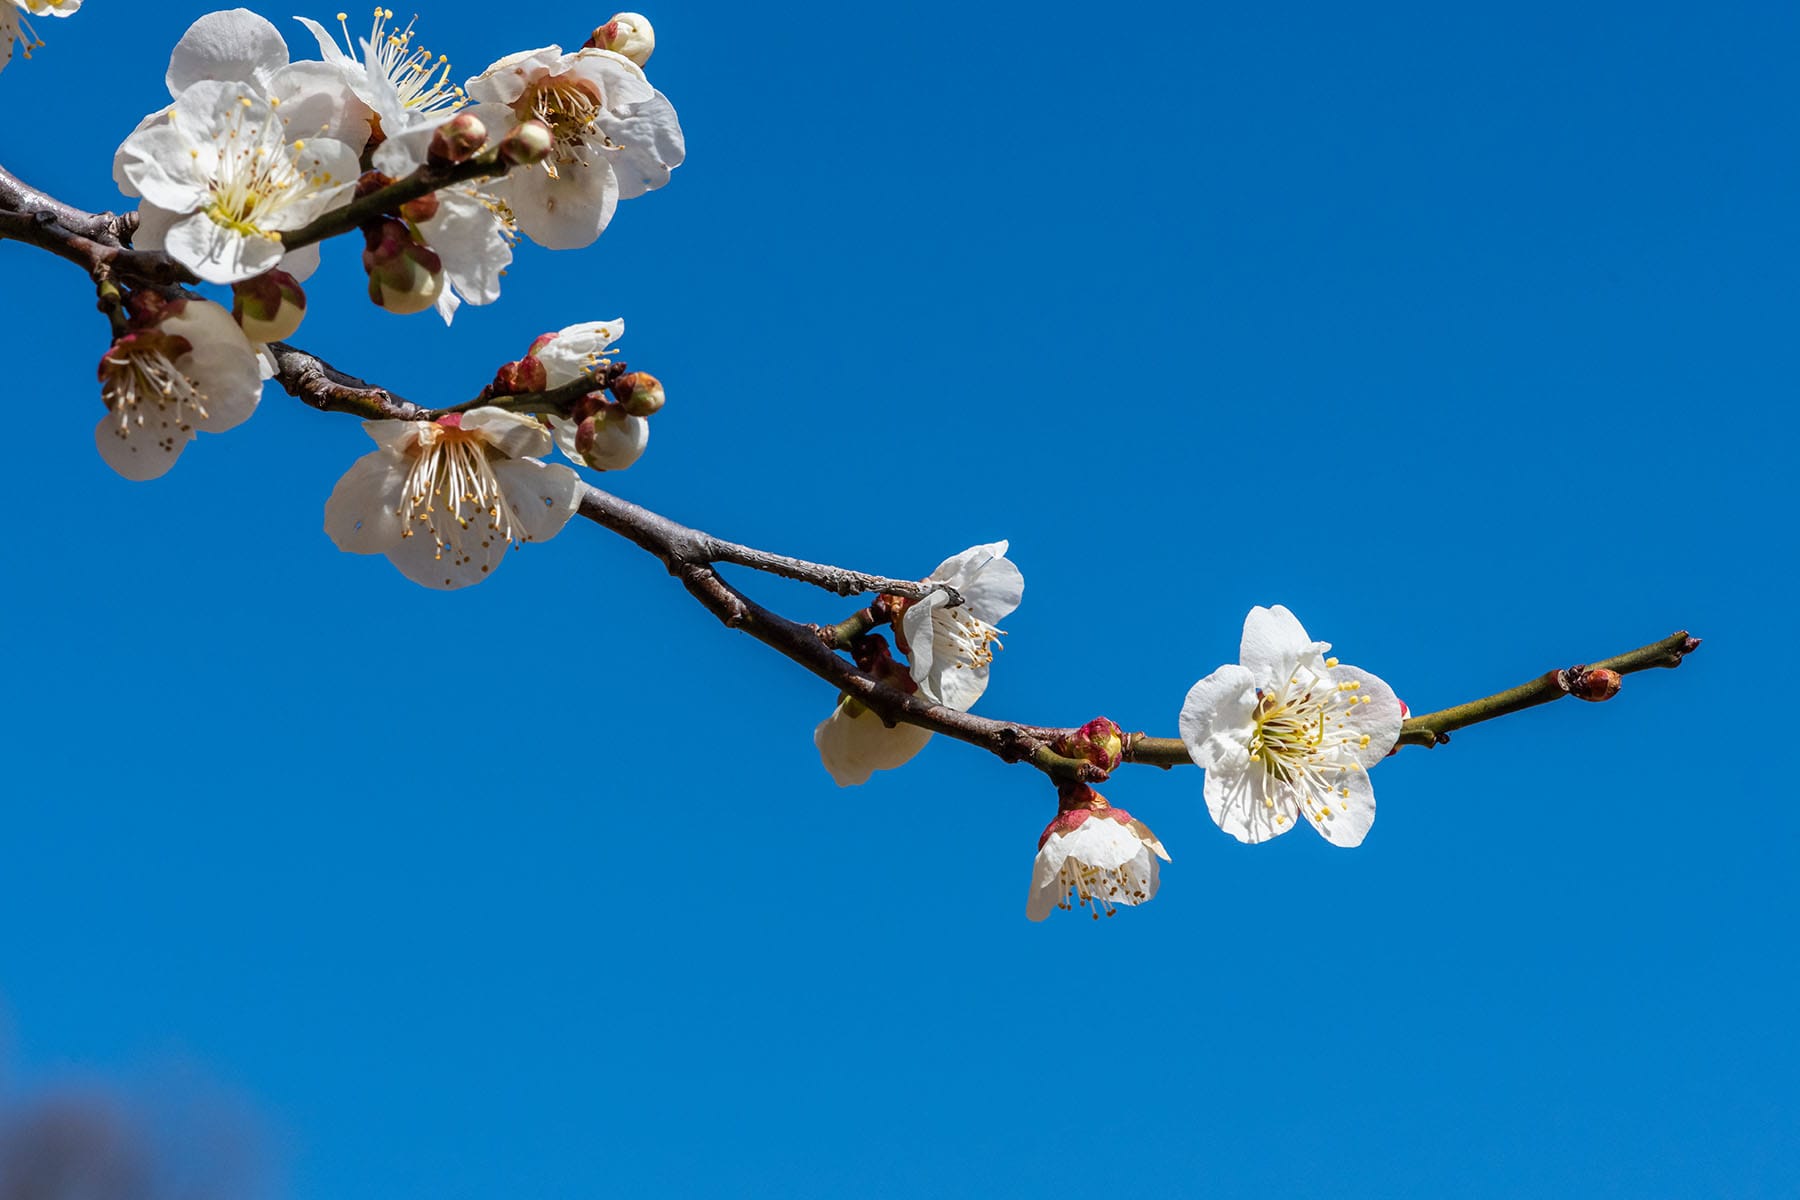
[[426, 179], [95, 242], [318, 383]]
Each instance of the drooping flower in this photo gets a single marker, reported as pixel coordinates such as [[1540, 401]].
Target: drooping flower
[[444, 499], [1093, 855], [614, 137], [226, 181], [950, 647], [854, 743], [1289, 732], [949, 651], [183, 368]]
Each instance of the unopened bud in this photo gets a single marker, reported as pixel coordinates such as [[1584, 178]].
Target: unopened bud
[[404, 276], [517, 378], [628, 33], [611, 439], [457, 139], [420, 209], [1595, 685], [531, 142], [640, 392], [1099, 742], [268, 307], [370, 182]]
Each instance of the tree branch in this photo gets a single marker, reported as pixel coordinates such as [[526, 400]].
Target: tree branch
[[428, 178], [95, 242]]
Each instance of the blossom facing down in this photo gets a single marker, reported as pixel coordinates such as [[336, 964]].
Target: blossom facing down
[[854, 743], [1288, 731], [614, 137], [226, 183], [1095, 856], [950, 647], [184, 369], [444, 499]]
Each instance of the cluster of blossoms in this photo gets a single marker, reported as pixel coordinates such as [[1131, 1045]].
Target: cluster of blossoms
[[254, 147], [1284, 733], [444, 498], [16, 30]]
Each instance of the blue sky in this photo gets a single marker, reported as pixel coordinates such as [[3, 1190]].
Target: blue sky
[[1464, 332]]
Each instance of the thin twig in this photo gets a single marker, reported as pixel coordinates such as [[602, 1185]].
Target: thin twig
[[94, 241]]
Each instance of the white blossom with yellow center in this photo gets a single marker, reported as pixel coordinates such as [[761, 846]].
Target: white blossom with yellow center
[[1288, 732], [444, 499], [406, 85], [615, 138], [229, 182], [951, 647], [193, 371]]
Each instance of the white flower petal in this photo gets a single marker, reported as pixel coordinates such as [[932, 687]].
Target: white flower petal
[[1274, 643], [1218, 717], [565, 213], [314, 102], [362, 516], [421, 560], [853, 743], [543, 496], [142, 451], [219, 254], [649, 144], [470, 239], [234, 45], [1344, 820], [222, 364], [1377, 714], [515, 435], [1244, 805]]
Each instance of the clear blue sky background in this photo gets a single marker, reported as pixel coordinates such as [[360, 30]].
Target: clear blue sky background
[[1464, 331]]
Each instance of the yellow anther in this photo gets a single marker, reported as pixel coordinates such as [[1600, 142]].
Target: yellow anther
[[1364, 740], [1331, 662]]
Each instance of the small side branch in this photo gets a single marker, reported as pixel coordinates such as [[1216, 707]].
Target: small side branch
[[428, 178], [328, 389], [1433, 729]]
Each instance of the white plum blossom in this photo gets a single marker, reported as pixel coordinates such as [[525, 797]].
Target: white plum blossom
[[1287, 731], [188, 369], [949, 651], [14, 27], [444, 499], [225, 182], [1099, 855], [404, 85], [614, 137], [238, 46], [854, 743], [471, 230], [950, 647]]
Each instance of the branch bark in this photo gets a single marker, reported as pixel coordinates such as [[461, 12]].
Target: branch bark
[[95, 241]]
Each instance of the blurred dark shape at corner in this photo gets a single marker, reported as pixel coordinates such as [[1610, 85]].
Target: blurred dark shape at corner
[[174, 1140]]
